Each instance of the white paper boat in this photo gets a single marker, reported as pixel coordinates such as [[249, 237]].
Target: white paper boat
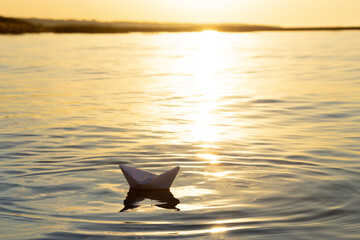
[[140, 179]]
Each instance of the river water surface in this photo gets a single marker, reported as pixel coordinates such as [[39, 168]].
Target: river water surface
[[265, 128]]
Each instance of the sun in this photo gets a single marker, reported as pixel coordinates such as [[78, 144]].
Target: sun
[[199, 10], [202, 4], [198, 4]]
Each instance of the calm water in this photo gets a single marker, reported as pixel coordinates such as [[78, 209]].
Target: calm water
[[265, 128]]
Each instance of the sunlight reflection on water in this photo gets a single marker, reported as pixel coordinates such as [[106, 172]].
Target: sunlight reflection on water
[[263, 125]]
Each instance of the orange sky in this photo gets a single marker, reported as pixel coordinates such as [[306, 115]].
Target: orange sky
[[271, 12]]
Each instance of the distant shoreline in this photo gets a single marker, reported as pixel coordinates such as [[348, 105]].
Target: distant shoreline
[[317, 28], [34, 25]]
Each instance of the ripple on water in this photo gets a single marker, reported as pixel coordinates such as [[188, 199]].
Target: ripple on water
[[268, 150]]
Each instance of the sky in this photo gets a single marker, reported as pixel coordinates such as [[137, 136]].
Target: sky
[[269, 12]]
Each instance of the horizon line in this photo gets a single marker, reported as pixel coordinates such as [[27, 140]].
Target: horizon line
[[189, 23], [41, 25]]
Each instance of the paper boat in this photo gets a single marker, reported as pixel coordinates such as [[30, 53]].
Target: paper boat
[[139, 179]]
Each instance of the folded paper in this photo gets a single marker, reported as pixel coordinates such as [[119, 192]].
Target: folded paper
[[139, 179]]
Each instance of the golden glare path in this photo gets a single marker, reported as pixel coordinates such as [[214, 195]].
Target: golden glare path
[[204, 64]]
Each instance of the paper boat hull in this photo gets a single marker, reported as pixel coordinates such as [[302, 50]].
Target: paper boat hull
[[139, 179]]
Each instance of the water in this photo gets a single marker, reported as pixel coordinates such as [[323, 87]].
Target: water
[[265, 128]]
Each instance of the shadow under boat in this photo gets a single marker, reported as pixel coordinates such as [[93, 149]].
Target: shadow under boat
[[165, 198]]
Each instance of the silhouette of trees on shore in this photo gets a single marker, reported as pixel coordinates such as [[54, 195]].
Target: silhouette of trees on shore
[[19, 26]]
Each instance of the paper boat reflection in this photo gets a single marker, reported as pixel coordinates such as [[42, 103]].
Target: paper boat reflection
[[140, 179], [165, 197]]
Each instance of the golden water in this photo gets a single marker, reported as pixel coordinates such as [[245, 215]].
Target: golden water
[[265, 128]]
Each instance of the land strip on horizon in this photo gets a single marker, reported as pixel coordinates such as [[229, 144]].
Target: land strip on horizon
[[34, 25]]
